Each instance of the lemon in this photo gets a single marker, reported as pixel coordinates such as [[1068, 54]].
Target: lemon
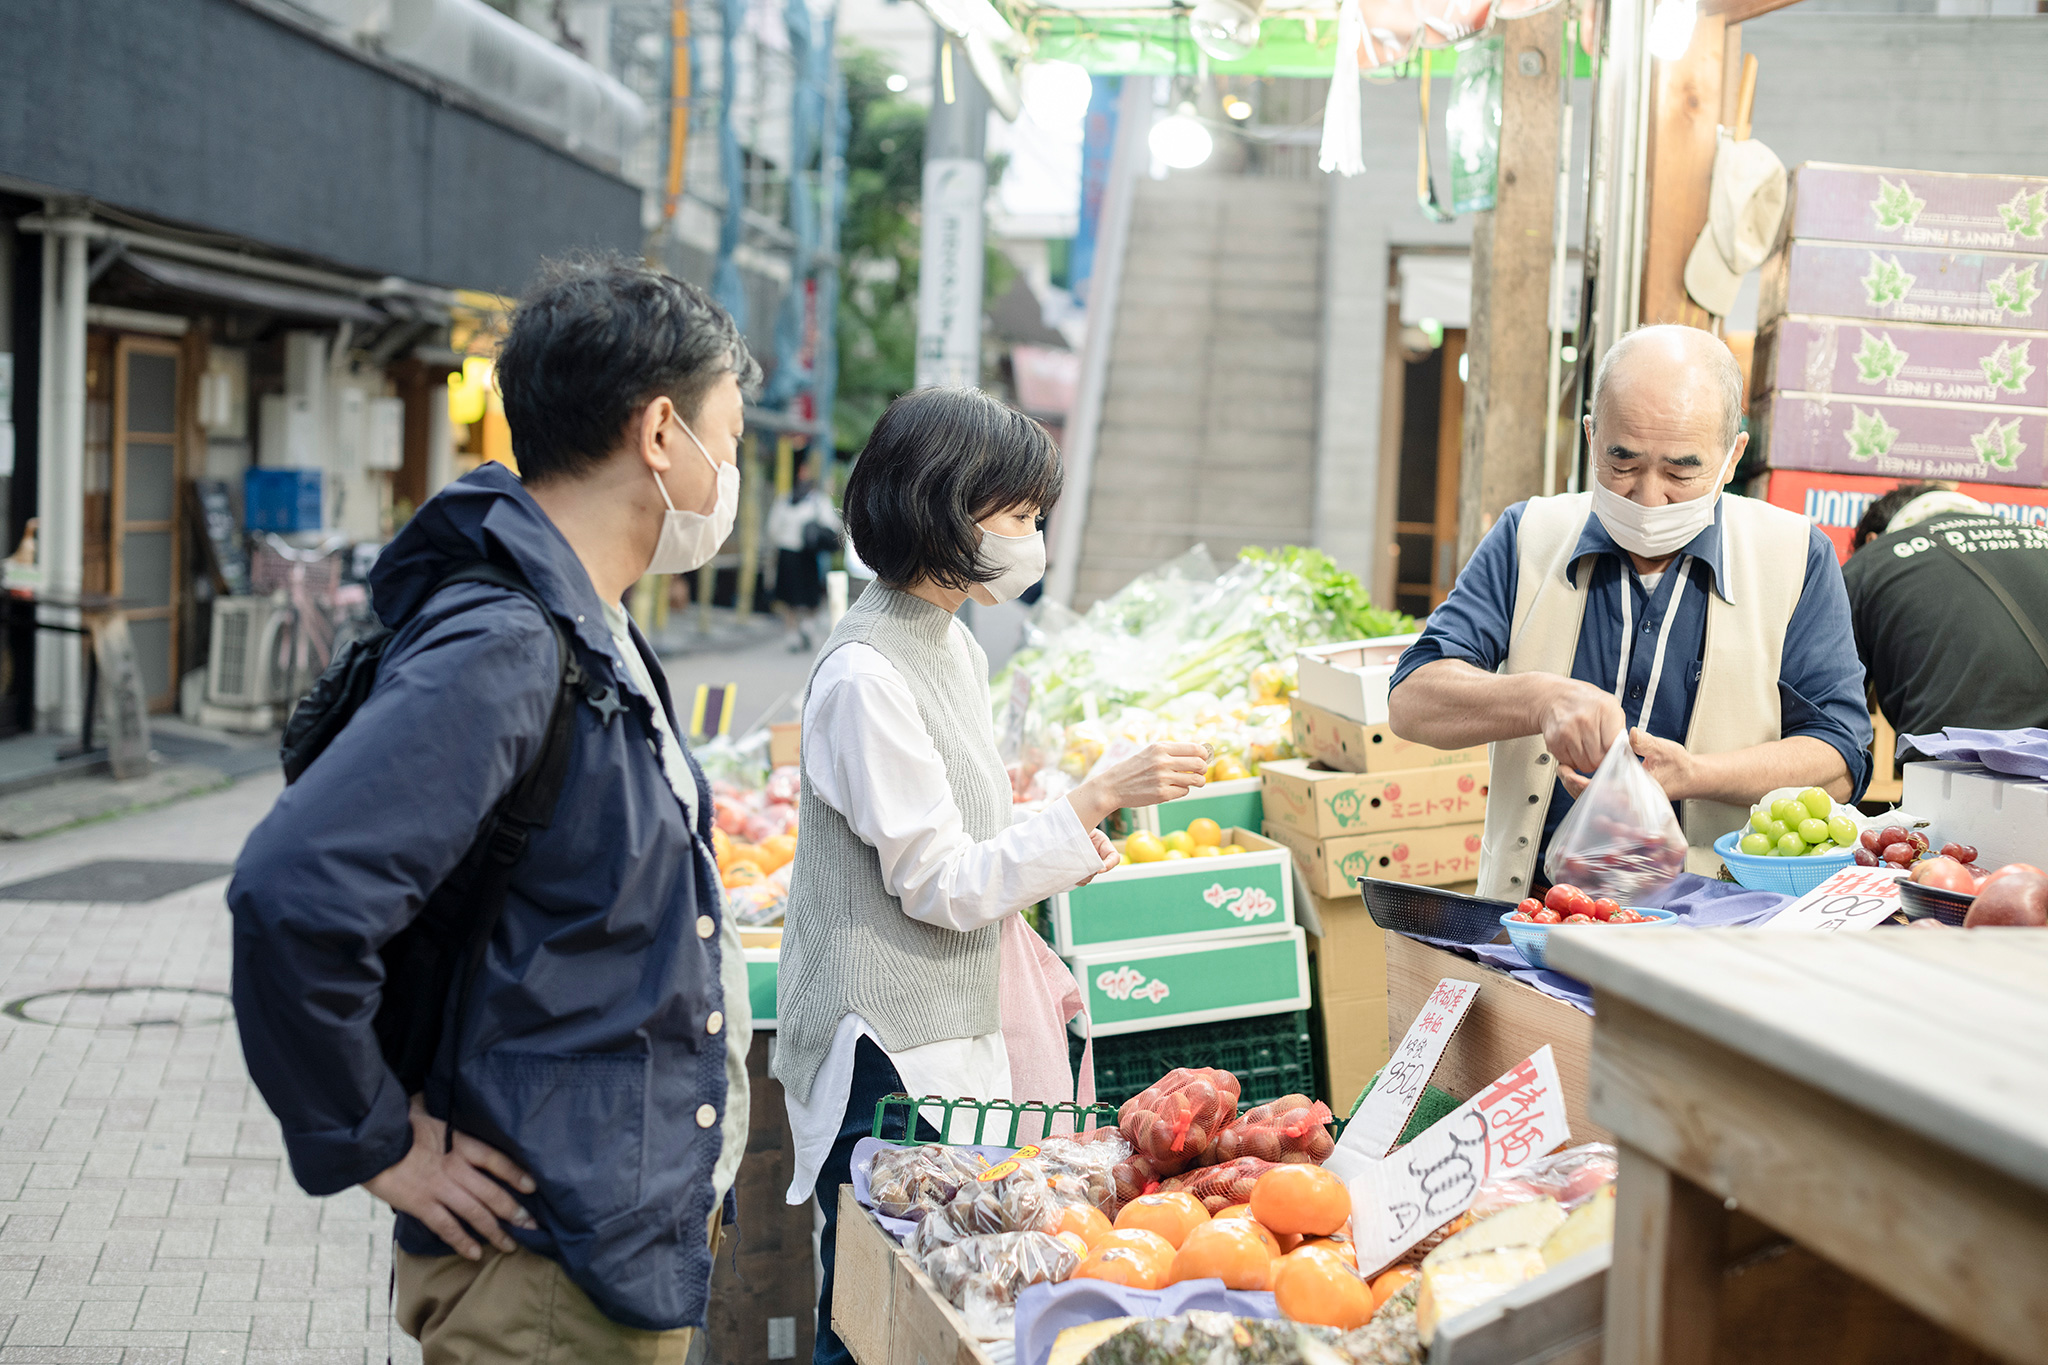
[[1205, 832], [1179, 842], [1207, 851], [1228, 849], [1144, 847], [1172, 853]]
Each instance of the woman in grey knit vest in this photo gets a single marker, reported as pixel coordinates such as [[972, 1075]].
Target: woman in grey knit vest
[[904, 964]]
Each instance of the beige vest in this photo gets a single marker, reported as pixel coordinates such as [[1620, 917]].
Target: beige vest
[[1736, 707]]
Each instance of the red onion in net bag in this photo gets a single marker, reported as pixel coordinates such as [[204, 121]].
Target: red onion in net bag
[[1218, 1187], [1291, 1130], [1174, 1123]]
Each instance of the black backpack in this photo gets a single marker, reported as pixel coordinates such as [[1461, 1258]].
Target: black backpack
[[429, 963]]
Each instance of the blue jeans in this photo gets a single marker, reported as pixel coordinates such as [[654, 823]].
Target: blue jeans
[[873, 1078]]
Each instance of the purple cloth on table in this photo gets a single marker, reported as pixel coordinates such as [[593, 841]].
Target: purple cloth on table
[[1046, 1310], [2015, 753], [1699, 903], [864, 1155]]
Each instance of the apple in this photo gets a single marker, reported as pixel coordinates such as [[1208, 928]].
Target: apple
[[2013, 895]]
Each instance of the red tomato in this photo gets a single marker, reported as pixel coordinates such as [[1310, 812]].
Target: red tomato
[[1580, 919], [1547, 916], [1522, 916], [1530, 906], [1579, 904], [1944, 874], [1558, 897], [1605, 909]]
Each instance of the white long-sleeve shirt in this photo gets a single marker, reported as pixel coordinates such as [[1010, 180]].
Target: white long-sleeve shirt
[[868, 756]]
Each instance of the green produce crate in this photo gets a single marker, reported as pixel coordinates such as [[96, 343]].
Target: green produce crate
[[985, 1123], [762, 964], [1236, 803], [1270, 1055], [1173, 985], [1179, 900]]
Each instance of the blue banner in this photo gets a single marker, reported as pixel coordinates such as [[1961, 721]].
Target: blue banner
[[1098, 147]]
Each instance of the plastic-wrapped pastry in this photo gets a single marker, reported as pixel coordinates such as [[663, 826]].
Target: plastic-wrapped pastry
[[910, 1182], [982, 1275]]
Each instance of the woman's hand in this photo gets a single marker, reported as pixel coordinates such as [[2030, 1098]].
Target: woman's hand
[[1156, 773], [1105, 850]]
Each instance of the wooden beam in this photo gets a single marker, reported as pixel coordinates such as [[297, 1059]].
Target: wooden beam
[[1505, 400], [1737, 11], [1685, 110]]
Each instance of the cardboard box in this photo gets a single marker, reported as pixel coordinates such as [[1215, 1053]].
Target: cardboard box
[[1351, 997], [1332, 866], [785, 744], [1350, 679], [1323, 803], [1836, 502], [2005, 818], [1919, 208], [1241, 895], [1895, 439], [1172, 984], [1952, 288], [1227, 803], [1868, 360], [1354, 747]]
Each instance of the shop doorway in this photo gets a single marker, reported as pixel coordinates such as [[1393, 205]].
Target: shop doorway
[[133, 520], [1426, 491]]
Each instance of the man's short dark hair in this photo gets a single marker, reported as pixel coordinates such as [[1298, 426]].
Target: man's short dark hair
[[1879, 514], [939, 461], [596, 339]]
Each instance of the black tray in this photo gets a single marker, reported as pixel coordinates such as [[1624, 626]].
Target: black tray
[[1931, 902], [1430, 913]]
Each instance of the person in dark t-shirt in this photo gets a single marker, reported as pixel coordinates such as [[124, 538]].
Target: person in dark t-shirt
[[1950, 606]]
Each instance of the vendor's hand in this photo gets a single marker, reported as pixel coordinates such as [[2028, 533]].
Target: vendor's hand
[[1105, 850], [452, 1191], [1579, 724], [1670, 764], [1156, 773]]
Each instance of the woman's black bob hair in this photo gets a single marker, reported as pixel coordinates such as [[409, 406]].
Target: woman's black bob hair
[[939, 461]]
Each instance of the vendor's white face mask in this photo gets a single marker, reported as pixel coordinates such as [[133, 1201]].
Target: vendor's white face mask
[[1654, 532], [1019, 561], [690, 539]]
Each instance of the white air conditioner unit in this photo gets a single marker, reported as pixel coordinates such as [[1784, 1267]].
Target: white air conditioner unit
[[243, 684]]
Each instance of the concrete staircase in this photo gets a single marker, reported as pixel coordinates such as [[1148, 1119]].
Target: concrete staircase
[[1209, 416]]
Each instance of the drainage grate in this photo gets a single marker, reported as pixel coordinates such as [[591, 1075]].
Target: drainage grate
[[114, 879], [119, 1007]]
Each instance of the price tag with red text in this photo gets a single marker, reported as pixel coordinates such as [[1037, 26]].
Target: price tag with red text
[[1399, 1201], [1377, 1125], [1852, 899]]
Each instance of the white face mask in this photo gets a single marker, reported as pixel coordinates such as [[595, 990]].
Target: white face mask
[[1654, 532], [1019, 561], [690, 539]]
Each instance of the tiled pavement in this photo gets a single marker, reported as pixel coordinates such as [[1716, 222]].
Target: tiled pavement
[[147, 1216]]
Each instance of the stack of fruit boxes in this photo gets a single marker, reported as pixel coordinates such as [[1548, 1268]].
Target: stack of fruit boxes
[[1903, 334]]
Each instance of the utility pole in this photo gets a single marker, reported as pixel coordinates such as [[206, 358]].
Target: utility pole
[[955, 183]]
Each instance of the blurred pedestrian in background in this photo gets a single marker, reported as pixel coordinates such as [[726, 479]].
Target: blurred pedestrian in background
[[805, 531]]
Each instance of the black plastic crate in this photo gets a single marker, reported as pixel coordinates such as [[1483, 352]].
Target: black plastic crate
[[1271, 1055]]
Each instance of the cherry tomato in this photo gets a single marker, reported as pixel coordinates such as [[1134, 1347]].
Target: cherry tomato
[[1558, 897], [1530, 906], [1547, 916], [1580, 919], [1522, 917], [1605, 909]]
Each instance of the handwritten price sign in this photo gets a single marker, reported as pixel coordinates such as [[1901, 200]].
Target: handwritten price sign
[[1402, 1199], [1854, 898], [1379, 1121]]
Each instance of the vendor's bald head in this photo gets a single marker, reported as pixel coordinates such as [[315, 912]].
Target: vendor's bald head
[[1669, 396]]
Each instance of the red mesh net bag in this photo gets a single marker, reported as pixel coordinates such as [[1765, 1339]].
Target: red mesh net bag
[[1132, 1177], [1173, 1125], [1290, 1130], [1218, 1187]]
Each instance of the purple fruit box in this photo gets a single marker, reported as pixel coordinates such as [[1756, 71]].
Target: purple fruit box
[[1899, 439], [1947, 288], [1936, 209], [1850, 358]]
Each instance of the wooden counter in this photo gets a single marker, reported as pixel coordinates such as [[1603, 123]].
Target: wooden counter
[[886, 1310], [1875, 1104]]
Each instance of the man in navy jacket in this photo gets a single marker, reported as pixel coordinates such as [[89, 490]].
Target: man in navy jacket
[[598, 1076]]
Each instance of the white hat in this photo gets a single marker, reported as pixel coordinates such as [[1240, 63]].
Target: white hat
[[1744, 209]]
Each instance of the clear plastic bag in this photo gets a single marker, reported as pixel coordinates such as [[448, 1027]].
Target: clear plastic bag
[[1022, 1201], [982, 1275], [1174, 1124], [911, 1182], [1291, 1129], [1620, 839], [1218, 1187], [1086, 1164], [1571, 1177]]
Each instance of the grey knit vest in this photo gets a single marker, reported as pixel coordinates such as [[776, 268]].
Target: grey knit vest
[[847, 947]]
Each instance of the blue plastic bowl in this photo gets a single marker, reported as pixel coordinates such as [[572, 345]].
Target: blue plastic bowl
[[1531, 939], [1787, 876]]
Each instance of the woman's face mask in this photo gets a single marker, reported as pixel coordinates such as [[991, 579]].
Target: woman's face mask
[[1019, 561]]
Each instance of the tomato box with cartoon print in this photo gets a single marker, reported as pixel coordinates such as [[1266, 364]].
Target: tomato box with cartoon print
[[1178, 900]]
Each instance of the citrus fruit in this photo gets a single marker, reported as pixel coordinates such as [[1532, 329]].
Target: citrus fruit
[[1144, 847], [1153, 1253], [1390, 1283], [776, 850], [1243, 1215], [1206, 833], [1172, 1216], [1304, 1199], [1173, 853], [1337, 1244], [1073, 1240], [1085, 1221], [1229, 1251], [1124, 1265], [1178, 842], [745, 872], [1207, 851], [721, 847], [1227, 768], [1229, 849], [1313, 1285]]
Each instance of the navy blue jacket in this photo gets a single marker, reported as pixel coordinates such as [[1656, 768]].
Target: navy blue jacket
[[583, 1051]]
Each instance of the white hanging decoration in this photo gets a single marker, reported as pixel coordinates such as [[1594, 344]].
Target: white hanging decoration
[[1343, 136]]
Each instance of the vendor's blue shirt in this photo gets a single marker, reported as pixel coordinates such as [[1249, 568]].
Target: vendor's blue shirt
[[1820, 679]]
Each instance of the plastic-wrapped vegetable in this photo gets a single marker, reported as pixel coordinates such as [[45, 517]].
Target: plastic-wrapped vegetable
[[1289, 1130], [1087, 1160], [1571, 1177], [1218, 1187], [910, 1182], [1174, 1123], [1021, 1201], [983, 1275]]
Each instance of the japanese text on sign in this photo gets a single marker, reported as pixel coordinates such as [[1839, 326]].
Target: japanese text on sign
[[1380, 1119], [1854, 898]]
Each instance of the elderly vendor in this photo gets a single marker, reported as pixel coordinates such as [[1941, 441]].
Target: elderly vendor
[[1714, 629]]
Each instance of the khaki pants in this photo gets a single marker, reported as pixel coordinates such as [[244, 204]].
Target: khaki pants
[[517, 1308]]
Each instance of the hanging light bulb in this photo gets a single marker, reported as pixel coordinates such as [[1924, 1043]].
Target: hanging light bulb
[[1237, 107], [1225, 29], [1180, 140], [1671, 26], [1056, 94]]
